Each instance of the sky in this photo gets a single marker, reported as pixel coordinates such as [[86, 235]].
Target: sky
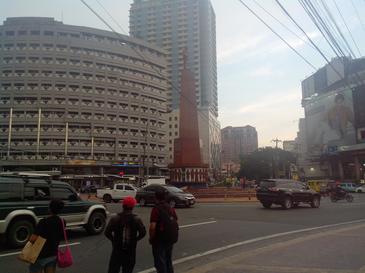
[[259, 77]]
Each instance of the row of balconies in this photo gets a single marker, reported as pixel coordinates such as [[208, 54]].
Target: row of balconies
[[112, 131], [104, 67], [49, 87], [82, 156], [84, 116]]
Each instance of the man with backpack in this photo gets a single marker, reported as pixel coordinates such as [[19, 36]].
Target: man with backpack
[[163, 231], [124, 230]]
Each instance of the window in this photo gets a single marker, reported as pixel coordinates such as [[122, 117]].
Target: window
[[128, 188], [35, 32], [33, 192], [120, 187], [62, 193], [10, 191]]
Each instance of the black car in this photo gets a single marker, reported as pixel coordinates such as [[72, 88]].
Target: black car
[[24, 201], [287, 193], [175, 196]]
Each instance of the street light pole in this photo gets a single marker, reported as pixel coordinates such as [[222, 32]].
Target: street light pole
[[276, 141]]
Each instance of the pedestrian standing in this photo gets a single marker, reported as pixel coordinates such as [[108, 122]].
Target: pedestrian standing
[[51, 229], [124, 231], [163, 233]]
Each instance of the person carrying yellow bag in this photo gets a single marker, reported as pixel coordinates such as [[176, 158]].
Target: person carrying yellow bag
[[51, 229]]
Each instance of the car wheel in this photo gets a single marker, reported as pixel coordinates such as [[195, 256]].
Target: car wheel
[[316, 202], [359, 191], [172, 203], [96, 223], [19, 233], [349, 198], [142, 202], [287, 203], [107, 198], [266, 205]]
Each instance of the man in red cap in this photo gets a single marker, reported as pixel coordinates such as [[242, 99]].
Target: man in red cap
[[124, 230]]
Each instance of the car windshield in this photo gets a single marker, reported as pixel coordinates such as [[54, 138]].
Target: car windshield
[[174, 189], [267, 184]]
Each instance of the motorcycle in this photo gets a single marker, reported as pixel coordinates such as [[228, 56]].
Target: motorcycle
[[346, 196]]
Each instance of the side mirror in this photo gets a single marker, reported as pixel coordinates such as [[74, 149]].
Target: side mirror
[[73, 197]]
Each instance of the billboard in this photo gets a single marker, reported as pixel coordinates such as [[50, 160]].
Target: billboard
[[330, 122]]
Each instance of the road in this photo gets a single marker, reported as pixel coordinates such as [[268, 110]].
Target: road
[[217, 232]]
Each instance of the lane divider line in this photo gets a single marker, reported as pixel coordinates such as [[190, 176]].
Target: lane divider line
[[198, 224], [254, 240], [18, 252]]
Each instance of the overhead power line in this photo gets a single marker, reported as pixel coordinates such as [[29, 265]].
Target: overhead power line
[[358, 15], [333, 20], [318, 49], [277, 34], [283, 25], [321, 26], [205, 116], [348, 30]]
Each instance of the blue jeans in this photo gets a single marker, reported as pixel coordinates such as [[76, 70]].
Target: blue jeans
[[162, 256], [43, 263]]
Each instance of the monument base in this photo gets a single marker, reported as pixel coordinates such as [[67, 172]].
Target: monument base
[[191, 176]]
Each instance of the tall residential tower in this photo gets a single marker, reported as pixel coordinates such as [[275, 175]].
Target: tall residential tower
[[174, 26]]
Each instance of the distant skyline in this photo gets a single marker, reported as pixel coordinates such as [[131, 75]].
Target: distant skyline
[[259, 77]]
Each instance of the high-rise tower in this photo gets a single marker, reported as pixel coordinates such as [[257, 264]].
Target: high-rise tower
[[175, 25]]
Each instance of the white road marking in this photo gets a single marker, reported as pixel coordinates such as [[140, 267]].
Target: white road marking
[[254, 240], [18, 252], [198, 224]]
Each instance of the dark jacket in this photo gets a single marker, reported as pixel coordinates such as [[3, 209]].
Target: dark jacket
[[124, 230]]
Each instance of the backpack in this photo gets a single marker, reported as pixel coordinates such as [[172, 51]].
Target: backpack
[[167, 226]]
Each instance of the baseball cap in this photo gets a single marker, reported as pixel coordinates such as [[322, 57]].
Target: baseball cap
[[129, 202]]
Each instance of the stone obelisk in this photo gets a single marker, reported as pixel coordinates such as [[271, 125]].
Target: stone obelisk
[[188, 168]]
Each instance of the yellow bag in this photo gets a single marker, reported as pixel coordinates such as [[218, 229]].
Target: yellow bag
[[30, 252]]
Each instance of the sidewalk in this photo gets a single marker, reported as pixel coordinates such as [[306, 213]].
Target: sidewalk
[[332, 251]]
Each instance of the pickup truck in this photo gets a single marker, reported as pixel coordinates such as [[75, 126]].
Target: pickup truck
[[118, 192]]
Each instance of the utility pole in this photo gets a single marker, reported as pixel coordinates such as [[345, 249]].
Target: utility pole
[[275, 157], [277, 141]]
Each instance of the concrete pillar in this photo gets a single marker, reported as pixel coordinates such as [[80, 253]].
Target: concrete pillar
[[39, 130], [66, 139], [9, 131], [357, 168], [340, 169]]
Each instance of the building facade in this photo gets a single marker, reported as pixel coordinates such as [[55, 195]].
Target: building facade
[[238, 141], [333, 131], [177, 26], [72, 96], [290, 146]]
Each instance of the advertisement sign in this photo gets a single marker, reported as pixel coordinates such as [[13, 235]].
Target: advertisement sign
[[330, 122]]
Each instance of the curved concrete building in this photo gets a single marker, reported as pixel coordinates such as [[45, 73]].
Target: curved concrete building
[[72, 95]]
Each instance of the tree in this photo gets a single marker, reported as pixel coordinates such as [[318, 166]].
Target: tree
[[266, 162]]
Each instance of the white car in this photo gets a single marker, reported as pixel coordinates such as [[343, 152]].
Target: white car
[[118, 192], [360, 189]]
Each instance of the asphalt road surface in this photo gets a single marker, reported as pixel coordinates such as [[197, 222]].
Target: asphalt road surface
[[212, 233]]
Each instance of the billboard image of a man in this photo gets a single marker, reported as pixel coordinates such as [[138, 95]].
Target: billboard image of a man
[[339, 116]]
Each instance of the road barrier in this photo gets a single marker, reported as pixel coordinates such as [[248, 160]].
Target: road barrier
[[222, 192]]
